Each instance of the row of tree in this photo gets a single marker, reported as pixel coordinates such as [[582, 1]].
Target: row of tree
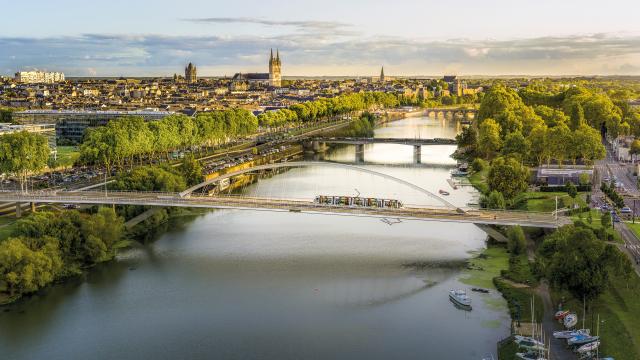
[[127, 139], [23, 153], [48, 246]]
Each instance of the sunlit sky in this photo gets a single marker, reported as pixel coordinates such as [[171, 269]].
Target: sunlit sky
[[329, 37]]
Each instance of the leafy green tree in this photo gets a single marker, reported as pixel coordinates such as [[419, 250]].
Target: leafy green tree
[[572, 190], [23, 153], [191, 170], [515, 145], [495, 200], [559, 142], [478, 164], [538, 141], [517, 240], [605, 220], [489, 138], [587, 144], [573, 259], [577, 116], [508, 176]]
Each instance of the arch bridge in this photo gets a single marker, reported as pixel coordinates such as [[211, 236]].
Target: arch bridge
[[447, 212]]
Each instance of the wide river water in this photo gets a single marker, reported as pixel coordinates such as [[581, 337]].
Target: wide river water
[[263, 285]]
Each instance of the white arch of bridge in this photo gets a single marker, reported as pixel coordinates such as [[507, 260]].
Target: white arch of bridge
[[318, 163]]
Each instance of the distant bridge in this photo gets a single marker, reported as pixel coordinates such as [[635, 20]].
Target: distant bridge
[[319, 144], [445, 112]]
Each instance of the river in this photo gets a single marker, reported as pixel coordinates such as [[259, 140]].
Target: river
[[263, 285]]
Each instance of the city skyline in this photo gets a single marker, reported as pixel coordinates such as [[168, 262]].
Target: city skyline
[[329, 39]]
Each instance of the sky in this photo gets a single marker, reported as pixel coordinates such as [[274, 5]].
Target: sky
[[322, 38]]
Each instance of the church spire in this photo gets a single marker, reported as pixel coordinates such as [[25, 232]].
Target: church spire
[[382, 73], [278, 54]]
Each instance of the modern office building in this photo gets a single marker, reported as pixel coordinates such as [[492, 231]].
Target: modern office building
[[71, 124], [33, 77]]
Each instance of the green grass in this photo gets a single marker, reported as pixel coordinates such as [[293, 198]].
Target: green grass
[[634, 227], [67, 155], [479, 180], [6, 228], [546, 201], [619, 312], [520, 270], [484, 267], [523, 297]]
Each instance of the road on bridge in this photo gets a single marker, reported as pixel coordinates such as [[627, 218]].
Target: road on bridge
[[293, 205]]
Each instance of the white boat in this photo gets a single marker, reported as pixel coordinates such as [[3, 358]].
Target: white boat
[[570, 321], [588, 347], [443, 192], [581, 340], [530, 355], [459, 173], [532, 346], [568, 334], [460, 297], [520, 338]]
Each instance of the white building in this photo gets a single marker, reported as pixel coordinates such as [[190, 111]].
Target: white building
[[38, 77]]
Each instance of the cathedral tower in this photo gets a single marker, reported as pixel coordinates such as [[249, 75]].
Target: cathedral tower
[[190, 73], [275, 77]]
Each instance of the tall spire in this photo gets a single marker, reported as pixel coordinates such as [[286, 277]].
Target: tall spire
[[382, 73], [271, 54], [278, 54]]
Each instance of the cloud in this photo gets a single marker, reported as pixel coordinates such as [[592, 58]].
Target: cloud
[[304, 53]]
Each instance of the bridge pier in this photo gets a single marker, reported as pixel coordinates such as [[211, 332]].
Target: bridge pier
[[359, 153], [18, 210], [417, 154], [33, 207]]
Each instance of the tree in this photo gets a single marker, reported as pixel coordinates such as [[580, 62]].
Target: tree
[[584, 179], [489, 140], [572, 190], [573, 259], [191, 170], [515, 145], [577, 116], [559, 139], [508, 176], [539, 144], [587, 144], [605, 220], [495, 200], [635, 148], [517, 240], [23, 153]]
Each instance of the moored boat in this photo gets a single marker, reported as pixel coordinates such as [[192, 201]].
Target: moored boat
[[561, 314], [568, 334], [460, 297], [589, 347], [581, 340], [443, 192], [570, 321], [530, 355]]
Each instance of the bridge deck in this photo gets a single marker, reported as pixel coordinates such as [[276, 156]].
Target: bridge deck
[[248, 203], [401, 141]]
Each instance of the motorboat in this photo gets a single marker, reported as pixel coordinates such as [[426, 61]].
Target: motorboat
[[588, 347], [568, 334], [443, 192], [460, 297], [459, 173], [530, 355], [581, 340], [570, 321], [561, 314], [480, 290], [531, 346], [519, 338]]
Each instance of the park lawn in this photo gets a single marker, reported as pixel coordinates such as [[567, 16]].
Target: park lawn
[[546, 201], [67, 155], [619, 312], [479, 180], [634, 227]]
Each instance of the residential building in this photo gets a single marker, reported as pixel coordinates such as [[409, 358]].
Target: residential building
[[32, 77]]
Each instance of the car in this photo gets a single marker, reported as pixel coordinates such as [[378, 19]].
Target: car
[[625, 209]]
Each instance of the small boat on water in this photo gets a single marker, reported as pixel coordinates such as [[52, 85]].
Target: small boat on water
[[460, 297], [581, 340], [561, 314], [519, 338], [570, 321], [480, 290], [443, 192], [459, 173], [530, 355], [589, 347], [568, 334]]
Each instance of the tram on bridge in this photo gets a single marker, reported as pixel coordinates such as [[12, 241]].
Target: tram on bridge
[[357, 201]]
